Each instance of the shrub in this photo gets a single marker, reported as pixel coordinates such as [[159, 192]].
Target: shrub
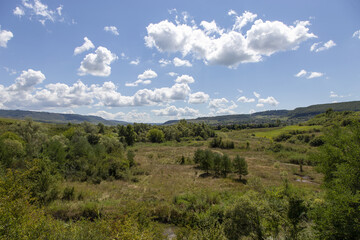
[[68, 194], [156, 135], [316, 142]]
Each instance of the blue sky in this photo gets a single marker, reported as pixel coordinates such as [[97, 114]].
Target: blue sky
[[152, 61]]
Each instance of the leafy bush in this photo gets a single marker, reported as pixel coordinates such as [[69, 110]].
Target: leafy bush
[[156, 135]]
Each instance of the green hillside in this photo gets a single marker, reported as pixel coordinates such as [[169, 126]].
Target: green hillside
[[47, 117], [290, 116]]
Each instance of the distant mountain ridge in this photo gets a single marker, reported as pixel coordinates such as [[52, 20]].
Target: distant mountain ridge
[[291, 116], [48, 117]]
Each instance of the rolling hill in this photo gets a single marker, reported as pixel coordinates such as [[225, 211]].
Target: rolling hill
[[290, 116], [48, 117]]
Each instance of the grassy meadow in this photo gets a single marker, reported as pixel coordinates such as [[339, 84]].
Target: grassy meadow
[[89, 181]]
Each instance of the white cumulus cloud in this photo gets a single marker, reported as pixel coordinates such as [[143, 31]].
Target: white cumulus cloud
[[181, 63], [5, 36], [244, 99], [269, 100], [87, 45], [185, 79], [98, 63], [230, 47], [222, 106], [147, 74], [27, 80], [198, 98], [178, 112], [111, 29]]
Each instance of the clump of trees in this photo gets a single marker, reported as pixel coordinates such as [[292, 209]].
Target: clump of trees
[[156, 135], [338, 217], [220, 165], [220, 143]]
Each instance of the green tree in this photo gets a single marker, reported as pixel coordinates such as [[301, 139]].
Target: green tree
[[217, 164], [11, 149], [101, 127], [156, 135], [207, 162], [244, 219], [226, 165], [338, 217], [130, 136], [240, 166]]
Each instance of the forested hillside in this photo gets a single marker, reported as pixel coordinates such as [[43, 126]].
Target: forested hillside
[[269, 117]]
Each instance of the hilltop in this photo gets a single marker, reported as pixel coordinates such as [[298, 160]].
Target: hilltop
[[47, 117], [297, 115]]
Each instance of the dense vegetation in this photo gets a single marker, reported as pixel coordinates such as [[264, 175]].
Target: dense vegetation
[[85, 181]]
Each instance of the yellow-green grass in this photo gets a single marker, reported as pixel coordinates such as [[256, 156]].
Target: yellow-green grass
[[274, 132], [166, 178]]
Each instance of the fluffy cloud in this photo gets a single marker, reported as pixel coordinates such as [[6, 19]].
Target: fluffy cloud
[[211, 27], [148, 74], [266, 38], [309, 75], [98, 63], [198, 98], [222, 106], [18, 12], [243, 20], [269, 100], [85, 47], [244, 99], [27, 80], [39, 10], [178, 112], [5, 36], [356, 34], [136, 83], [24, 94], [185, 79], [178, 91], [230, 47], [111, 29], [329, 44], [302, 73], [181, 63]]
